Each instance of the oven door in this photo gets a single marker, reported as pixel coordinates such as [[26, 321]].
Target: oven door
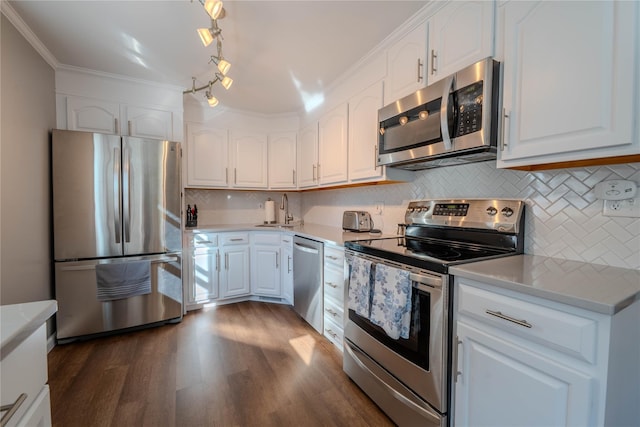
[[419, 362]]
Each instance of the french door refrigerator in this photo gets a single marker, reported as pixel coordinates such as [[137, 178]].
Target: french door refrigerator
[[116, 205]]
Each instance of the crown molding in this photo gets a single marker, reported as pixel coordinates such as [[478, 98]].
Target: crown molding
[[23, 28]]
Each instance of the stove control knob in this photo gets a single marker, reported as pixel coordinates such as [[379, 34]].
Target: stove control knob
[[507, 212], [492, 211]]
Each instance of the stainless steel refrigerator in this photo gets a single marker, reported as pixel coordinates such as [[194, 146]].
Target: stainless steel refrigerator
[[116, 205]]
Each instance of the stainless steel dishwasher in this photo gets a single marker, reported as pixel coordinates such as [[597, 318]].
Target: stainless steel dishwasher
[[308, 257]]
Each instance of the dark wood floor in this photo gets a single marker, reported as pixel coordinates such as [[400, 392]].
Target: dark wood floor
[[246, 364]]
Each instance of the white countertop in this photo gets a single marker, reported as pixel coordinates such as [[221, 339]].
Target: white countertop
[[21, 320], [594, 287], [326, 234]]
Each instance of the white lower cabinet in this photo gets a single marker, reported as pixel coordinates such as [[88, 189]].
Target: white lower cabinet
[[266, 264], [24, 373], [334, 294], [234, 275], [287, 267], [525, 361]]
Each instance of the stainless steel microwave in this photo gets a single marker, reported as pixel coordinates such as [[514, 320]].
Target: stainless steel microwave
[[453, 121]]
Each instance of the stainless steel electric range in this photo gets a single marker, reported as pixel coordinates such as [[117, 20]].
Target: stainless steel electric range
[[409, 376]]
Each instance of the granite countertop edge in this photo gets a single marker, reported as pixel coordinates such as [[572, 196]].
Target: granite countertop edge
[[597, 288], [325, 233], [21, 320]]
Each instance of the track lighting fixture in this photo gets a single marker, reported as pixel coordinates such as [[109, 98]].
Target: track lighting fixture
[[207, 36]]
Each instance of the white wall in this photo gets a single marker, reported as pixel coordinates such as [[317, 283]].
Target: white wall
[[28, 114], [563, 217]]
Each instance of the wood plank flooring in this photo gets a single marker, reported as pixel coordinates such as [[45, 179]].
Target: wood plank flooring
[[245, 364]]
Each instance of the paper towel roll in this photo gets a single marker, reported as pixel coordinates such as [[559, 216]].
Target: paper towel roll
[[269, 212]]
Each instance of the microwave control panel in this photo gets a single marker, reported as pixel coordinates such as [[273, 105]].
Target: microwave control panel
[[469, 102]]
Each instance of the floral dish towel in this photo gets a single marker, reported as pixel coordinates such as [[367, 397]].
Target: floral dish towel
[[391, 305], [360, 286]]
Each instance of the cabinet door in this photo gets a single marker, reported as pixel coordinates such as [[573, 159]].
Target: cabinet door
[[287, 268], [332, 146], [93, 115], [308, 157], [235, 272], [568, 81], [282, 160], [265, 270], [249, 159], [460, 34], [207, 157], [363, 133], [205, 269], [147, 122], [502, 383], [405, 65]]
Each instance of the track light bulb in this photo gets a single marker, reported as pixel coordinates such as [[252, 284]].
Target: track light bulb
[[226, 82], [224, 66], [404, 120], [212, 100], [205, 36], [213, 8], [422, 115]]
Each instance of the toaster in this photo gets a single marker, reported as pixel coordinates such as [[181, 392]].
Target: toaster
[[356, 221]]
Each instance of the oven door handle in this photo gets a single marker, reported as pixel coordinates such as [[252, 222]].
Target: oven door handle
[[431, 281]]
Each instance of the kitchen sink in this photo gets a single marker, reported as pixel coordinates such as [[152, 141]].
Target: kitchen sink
[[276, 225]]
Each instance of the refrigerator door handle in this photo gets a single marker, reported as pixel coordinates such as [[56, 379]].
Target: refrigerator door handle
[[116, 193], [126, 195]]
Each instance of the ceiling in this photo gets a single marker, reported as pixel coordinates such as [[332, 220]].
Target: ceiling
[[280, 51]]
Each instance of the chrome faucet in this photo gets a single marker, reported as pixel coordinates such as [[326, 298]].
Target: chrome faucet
[[284, 205]]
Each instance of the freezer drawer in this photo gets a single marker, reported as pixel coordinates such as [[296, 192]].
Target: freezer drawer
[[80, 313]]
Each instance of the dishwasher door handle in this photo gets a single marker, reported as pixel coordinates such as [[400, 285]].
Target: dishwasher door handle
[[305, 248]]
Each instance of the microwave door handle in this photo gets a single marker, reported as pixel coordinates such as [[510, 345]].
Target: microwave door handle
[[444, 119]]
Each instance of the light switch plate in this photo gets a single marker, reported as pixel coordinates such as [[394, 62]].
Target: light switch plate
[[628, 208]]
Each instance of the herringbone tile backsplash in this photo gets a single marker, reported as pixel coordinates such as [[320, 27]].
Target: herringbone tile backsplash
[[563, 217]]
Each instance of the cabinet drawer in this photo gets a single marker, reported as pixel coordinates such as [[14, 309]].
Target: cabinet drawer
[[286, 239], [334, 284], [333, 332], [272, 238], [24, 370], [562, 331], [204, 239], [234, 239], [334, 311], [333, 256]]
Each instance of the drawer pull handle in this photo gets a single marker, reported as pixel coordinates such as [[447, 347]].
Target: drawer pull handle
[[331, 284], [330, 332], [240, 239], [332, 257], [331, 312], [12, 409], [510, 319]]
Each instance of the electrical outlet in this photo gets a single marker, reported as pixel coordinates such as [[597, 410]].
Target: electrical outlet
[[379, 207], [628, 208]]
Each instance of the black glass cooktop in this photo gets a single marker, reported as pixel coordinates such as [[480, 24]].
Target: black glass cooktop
[[432, 254]]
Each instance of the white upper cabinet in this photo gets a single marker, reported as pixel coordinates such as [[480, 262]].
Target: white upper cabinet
[[146, 122], [308, 156], [282, 160], [460, 34], [248, 159], [569, 70], [207, 157], [363, 133], [95, 115], [332, 143], [406, 65]]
